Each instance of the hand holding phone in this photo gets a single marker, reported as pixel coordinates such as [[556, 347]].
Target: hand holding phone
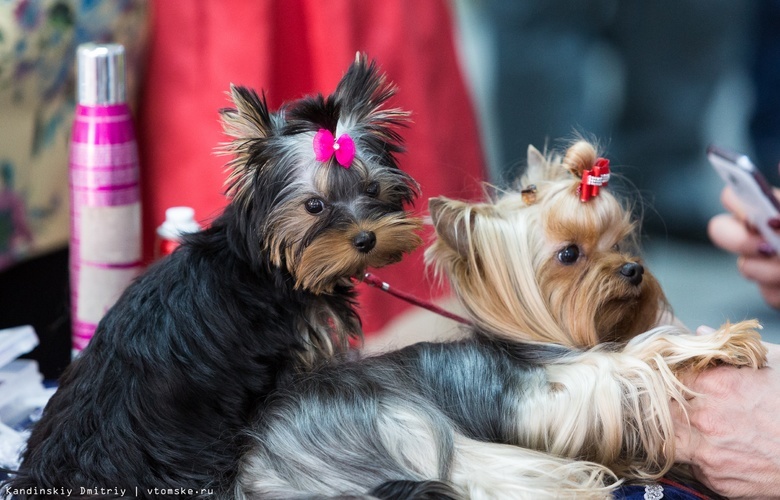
[[755, 193]]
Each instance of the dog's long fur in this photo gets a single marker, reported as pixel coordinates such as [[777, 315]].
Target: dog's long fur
[[514, 289], [521, 410], [178, 365]]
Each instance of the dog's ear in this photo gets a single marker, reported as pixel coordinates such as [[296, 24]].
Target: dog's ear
[[361, 95], [453, 222], [250, 118], [535, 158], [536, 166], [248, 124]]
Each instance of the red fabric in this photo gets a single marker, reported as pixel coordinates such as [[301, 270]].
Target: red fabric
[[291, 48]]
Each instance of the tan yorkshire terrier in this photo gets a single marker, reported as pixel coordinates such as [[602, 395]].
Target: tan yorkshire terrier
[[564, 389], [543, 265]]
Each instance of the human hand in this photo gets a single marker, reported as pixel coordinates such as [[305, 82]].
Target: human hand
[[757, 260], [733, 440]]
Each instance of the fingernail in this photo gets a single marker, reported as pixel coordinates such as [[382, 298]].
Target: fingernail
[[766, 249], [773, 223]]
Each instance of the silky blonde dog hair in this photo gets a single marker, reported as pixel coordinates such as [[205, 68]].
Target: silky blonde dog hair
[[499, 258]]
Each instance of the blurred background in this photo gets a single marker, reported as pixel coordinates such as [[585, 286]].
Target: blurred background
[[653, 82]]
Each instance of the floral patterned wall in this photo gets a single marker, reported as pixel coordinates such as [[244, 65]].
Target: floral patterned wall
[[38, 40]]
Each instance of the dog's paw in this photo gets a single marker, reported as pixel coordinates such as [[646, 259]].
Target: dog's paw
[[740, 344], [737, 344]]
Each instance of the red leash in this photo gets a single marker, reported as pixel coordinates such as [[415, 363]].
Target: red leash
[[681, 486], [374, 281]]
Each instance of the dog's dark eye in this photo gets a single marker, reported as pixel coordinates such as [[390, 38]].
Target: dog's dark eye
[[616, 247], [372, 189], [569, 255], [315, 206]]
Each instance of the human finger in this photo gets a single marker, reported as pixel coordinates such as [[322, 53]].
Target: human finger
[[771, 295], [762, 270], [728, 233]]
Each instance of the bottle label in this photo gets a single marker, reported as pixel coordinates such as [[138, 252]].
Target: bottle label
[[105, 214], [99, 288], [109, 235]]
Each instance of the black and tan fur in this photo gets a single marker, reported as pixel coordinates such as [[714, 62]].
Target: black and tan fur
[[159, 398]]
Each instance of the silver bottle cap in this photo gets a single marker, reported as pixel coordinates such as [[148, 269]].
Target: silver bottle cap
[[101, 74]]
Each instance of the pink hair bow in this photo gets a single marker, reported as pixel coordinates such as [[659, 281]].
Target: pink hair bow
[[594, 179], [326, 146]]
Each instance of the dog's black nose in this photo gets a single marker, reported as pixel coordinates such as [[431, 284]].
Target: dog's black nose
[[364, 241], [633, 272]]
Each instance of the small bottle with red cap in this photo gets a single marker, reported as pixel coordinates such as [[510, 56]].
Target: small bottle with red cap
[[178, 222]]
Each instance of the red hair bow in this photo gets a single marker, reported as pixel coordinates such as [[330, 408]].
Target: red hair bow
[[594, 179]]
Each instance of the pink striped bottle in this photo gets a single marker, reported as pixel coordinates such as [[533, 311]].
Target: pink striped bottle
[[105, 242]]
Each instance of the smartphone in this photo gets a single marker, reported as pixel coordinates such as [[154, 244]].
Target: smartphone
[[751, 187]]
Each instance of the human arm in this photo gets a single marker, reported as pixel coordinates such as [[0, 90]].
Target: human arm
[[733, 440]]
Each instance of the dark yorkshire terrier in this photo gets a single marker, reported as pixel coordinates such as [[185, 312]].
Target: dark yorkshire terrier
[[156, 401], [560, 393]]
